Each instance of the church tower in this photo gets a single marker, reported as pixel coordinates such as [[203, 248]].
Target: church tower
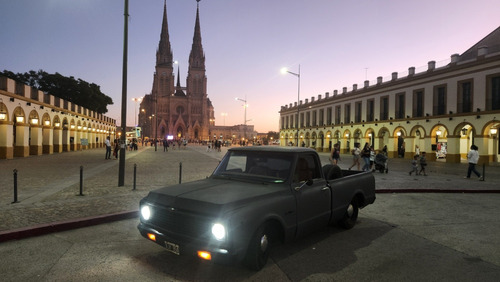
[[169, 110]]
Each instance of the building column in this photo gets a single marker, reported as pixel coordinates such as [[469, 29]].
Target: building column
[[21, 146], [453, 149], [58, 139], [48, 140], [6, 139], [65, 140], [35, 140], [409, 147], [482, 141]]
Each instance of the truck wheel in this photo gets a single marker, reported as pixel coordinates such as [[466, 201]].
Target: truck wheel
[[351, 215], [259, 248]]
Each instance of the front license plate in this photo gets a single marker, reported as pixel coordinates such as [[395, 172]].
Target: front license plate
[[171, 247]]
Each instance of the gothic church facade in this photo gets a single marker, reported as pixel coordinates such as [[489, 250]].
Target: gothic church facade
[[181, 112]]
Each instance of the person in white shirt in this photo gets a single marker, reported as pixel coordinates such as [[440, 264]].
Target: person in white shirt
[[108, 148], [473, 158]]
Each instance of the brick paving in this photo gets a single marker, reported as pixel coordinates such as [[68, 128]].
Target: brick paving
[[49, 185]]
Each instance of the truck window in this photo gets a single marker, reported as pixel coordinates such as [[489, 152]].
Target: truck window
[[307, 168]]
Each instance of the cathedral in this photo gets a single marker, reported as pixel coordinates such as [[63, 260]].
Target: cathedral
[[172, 111]]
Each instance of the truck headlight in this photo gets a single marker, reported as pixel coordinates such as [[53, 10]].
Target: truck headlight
[[145, 212], [219, 231]]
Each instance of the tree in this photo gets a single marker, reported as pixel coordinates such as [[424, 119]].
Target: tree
[[79, 92]]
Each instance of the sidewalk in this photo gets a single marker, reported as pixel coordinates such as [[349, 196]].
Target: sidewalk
[[49, 185]]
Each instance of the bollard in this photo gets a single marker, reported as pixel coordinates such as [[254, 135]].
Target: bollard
[[135, 173], [81, 180], [180, 172], [15, 187]]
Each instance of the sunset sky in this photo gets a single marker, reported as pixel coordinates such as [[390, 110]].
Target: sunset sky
[[246, 43]]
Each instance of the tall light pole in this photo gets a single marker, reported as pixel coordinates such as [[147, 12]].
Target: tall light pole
[[285, 70], [121, 167], [245, 117], [224, 115], [135, 108]]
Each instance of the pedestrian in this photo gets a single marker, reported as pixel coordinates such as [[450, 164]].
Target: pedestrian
[[366, 157], [372, 157], [414, 165], [335, 155], [209, 149], [423, 164], [473, 158], [165, 145], [417, 150], [108, 148], [355, 156], [116, 149]]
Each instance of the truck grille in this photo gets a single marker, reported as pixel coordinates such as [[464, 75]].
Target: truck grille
[[181, 222]]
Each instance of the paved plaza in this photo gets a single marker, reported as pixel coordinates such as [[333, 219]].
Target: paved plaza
[[48, 186]]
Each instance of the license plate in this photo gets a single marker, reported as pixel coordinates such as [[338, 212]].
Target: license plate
[[171, 247]]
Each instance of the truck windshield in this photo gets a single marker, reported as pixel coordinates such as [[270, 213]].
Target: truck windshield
[[268, 166]]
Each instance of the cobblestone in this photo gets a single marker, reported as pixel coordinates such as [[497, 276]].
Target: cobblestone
[[48, 185]]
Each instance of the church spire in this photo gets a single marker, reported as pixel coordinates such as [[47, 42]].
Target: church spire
[[197, 57], [178, 88], [164, 52]]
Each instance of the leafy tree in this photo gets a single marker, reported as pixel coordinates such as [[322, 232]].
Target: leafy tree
[[79, 92]]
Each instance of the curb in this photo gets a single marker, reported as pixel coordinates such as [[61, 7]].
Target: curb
[[43, 229]]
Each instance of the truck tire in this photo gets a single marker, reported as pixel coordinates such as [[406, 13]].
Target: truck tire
[[259, 248], [351, 215]]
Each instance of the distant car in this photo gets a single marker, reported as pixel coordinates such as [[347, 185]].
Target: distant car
[[255, 197]]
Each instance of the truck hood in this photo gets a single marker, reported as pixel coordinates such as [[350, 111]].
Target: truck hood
[[211, 195]]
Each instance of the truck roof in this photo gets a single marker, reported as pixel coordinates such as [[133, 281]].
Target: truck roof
[[273, 149]]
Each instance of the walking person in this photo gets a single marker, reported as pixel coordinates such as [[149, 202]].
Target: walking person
[[473, 158], [355, 156], [335, 155], [372, 157], [423, 164], [108, 148], [414, 165], [366, 157]]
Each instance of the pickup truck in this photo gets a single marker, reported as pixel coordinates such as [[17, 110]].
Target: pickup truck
[[256, 197]]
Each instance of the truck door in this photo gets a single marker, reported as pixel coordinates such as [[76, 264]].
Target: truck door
[[313, 202]]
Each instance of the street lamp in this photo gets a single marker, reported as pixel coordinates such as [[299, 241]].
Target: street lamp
[[244, 106], [284, 71], [224, 115], [135, 108]]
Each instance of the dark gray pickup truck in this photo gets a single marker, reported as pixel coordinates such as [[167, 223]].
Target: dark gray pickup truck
[[257, 196]]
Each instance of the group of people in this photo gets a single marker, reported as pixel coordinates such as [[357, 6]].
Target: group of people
[[367, 154], [419, 160], [215, 144], [109, 148]]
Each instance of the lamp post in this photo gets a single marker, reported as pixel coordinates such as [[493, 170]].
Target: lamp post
[[135, 108], [283, 71], [245, 115], [224, 115]]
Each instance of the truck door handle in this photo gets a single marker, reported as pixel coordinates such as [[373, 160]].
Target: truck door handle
[[325, 188]]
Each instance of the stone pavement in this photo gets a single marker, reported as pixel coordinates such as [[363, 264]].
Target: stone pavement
[[49, 185]]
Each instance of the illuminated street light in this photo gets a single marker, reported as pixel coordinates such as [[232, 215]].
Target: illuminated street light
[[224, 115], [245, 105], [135, 108], [284, 71]]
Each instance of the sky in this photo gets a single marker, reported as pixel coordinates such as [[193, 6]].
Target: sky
[[246, 43]]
